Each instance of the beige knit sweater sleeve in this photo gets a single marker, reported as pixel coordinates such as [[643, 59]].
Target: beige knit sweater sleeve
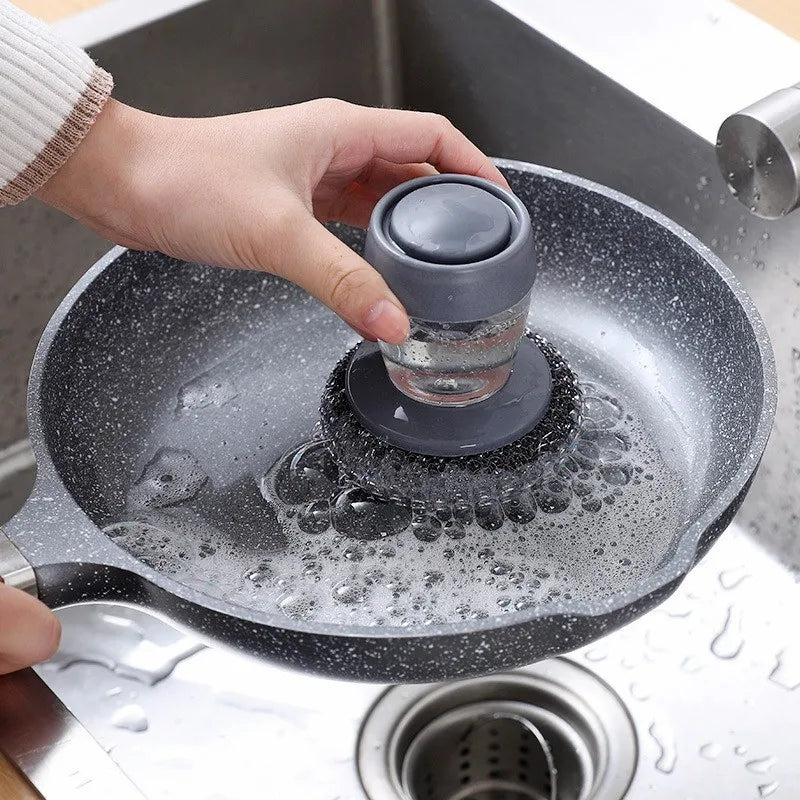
[[50, 94]]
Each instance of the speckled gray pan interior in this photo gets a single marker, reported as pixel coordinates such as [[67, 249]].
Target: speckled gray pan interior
[[632, 301]]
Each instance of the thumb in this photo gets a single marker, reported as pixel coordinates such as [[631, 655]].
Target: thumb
[[29, 631], [327, 268]]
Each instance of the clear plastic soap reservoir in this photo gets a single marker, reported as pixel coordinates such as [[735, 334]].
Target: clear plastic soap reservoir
[[457, 363], [458, 253]]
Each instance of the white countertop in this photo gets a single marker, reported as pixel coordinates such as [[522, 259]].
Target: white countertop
[[115, 17], [696, 60]]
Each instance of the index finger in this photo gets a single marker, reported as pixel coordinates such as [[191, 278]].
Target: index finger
[[414, 137]]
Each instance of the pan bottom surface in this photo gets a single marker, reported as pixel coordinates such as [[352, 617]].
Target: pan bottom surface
[[593, 519]]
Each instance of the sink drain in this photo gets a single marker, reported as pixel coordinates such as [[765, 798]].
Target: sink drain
[[478, 739], [499, 753]]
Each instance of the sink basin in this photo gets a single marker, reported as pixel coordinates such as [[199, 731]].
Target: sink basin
[[709, 680]]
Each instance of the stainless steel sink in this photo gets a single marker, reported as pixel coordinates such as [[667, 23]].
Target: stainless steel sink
[[709, 680]]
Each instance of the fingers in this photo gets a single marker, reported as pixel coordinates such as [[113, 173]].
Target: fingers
[[354, 206], [327, 268], [29, 631], [384, 175], [411, 137]]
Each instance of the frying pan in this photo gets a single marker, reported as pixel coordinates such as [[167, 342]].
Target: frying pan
[[628, 297]]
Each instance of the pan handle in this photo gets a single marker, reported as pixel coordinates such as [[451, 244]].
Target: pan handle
[[14, 568]]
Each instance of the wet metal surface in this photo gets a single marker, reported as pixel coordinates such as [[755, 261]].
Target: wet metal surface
[[222, 724]]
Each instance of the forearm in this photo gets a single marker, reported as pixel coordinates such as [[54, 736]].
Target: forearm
[[50, 95]]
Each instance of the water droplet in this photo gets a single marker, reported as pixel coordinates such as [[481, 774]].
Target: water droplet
[[664, 738], [427, 529], [305, 474], [525, 602], [259, 575], [729, 579], [595, 655], [296, 606], [554, 497], [710, 751], [786, 672], [315, 518], [630, 661], [592, 504], [432, 578], [463, 512], [767, 789], [605, 411], [728, 643], [357, 514], [616, 475], [488, 514], [349, 593], [455, 530], [761, 765], [519, 507], [353, 552], [691, 664], [678, 607], [130, 718]]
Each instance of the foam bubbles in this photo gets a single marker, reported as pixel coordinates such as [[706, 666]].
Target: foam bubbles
[[577, 525], [360, 516], [170, 477]]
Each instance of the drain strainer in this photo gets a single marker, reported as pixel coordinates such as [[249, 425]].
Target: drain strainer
[[500, 751], [481, 739]]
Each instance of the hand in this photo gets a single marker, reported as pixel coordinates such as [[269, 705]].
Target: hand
[[250, 190], [29, 631]]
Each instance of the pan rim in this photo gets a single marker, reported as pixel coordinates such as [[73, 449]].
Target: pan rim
[[672, 572]]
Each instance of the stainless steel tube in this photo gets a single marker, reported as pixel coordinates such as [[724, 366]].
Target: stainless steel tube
[[758, 150]]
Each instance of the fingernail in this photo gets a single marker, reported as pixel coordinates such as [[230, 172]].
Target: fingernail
[[387, 322]]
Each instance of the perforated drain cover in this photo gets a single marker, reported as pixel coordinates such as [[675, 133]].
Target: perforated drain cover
[[433, 742]]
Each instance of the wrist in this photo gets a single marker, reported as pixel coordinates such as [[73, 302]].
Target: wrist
[[101, 182]]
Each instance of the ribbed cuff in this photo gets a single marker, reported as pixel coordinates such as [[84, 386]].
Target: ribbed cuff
[[64, 142], [50, 94]]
